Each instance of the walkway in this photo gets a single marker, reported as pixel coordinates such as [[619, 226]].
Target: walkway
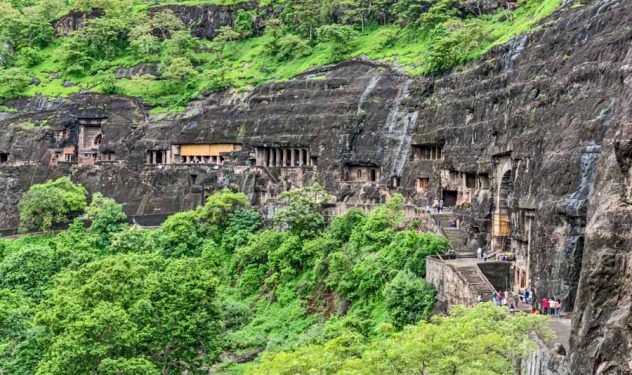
[[456, 236]]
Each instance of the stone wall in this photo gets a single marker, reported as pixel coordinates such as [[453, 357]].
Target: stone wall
[[451, 288], [545, 361]]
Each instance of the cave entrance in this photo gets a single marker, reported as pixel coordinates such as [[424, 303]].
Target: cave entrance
[[450, 198], [4, 157]]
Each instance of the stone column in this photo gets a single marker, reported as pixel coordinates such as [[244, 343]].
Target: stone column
[[279, 157], [293, 157], [153, 157]]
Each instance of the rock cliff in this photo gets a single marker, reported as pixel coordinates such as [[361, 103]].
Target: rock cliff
[[532, 145]]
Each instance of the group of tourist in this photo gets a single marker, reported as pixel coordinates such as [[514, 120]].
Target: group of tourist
[[437, 204], [552, 307], [507, 298]]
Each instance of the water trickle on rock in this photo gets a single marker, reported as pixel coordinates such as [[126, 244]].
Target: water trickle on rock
[[367, 92], [577, 202], [516, 47], [398, 126]]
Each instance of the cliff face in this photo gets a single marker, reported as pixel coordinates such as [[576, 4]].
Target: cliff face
[[205, 20], [532, 143]]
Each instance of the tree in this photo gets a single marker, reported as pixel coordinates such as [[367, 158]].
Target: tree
[[126, 310], [302, 214], [408, 299], [181, 44], [106, 217], [125, 366], [179, 72], [17, 352], [46, 204], [339, 36], [244, 22], [164, 24], [219, 208], [28, 270], [13, 82], [479, 340], [181, 235], [240, 227], [132, 239], [186, 327], [26, 31], [302, 16], [101, 39]]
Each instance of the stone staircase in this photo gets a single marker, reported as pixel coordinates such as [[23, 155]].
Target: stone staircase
[[476, 280], [456, 236]]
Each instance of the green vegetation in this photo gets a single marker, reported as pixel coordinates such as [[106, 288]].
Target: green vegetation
[[215, 283], [482, 340], [46, 204], [420, 36]]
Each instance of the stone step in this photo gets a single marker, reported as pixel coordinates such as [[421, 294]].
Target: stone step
[[475, 280]]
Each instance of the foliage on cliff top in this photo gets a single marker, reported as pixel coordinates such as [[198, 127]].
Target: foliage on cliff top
[[420, 36]]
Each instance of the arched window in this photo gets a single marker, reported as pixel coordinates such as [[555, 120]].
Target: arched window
[[98, 139]]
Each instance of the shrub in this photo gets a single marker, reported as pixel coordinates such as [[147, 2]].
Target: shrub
[[106, 216], [28, 57], [302, 213], [339, 36], [181, 235], [408, 299], [46, 204], [13, 82], [29, 269]]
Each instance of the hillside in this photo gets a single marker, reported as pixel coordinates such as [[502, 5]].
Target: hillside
[[145, 49]]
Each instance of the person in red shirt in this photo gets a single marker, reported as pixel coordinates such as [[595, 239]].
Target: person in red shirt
[[534, 311], [545, 306]]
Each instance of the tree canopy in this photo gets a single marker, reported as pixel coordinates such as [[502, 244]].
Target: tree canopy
[[218, 284], [49, 203]]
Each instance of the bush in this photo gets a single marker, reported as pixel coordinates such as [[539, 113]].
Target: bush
[[132, 239], [181, 235], [28, 270], [46, 204], [408, 299], [28, 57], [106, 216], [235, 314], [13, 82], [302, 213], [339, 36], [291, 47]]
